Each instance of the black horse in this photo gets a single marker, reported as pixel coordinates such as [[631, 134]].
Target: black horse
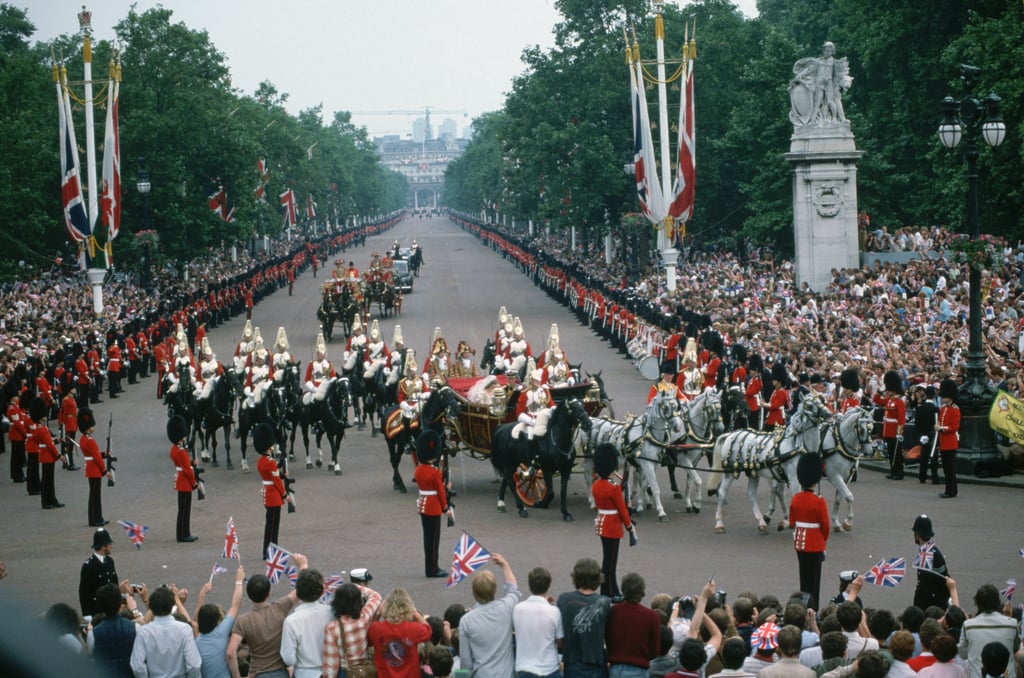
[[248, 419], [327, 314], [329, 417], [550, 453], [182, 402], [441, 403], [285, 406], [217, 412], [415, 261]]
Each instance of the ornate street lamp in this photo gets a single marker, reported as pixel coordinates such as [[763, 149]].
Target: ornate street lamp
[[965, 119], [144, 187]]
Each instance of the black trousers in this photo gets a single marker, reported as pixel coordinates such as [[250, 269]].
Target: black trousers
[[928, 460], [431, 543], [48, 492], [17, 460], [95, 501], [183, 528], [895, 451], [33, 473], [810, 573], [609, 563], [82, 396], [67, 446], [271, 527], [949, 470]]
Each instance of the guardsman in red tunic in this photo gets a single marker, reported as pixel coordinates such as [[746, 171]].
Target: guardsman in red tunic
[[432, 502], [808, 514], [47, 451], [16, 434], [184, 479], [612, 517], [248, 303], [131, 355], [948, 430], [779, 402], [92, 357], [715, 347], [672, 353], [892, 422], [738, 378], [68, 416], [849, 380], [114, 369], [752, 394], [142, 343], [95, 468], [291, 279], [273, 491]]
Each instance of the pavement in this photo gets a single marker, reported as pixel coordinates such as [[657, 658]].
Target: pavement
[[1015, 480]]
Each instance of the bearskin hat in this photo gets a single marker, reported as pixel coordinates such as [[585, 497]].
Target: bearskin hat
[[37, 410], [780, 374], [177, 429], [755, 364], [739, 353], [808, 469], [948, 389], [892, 382], [263, 438], [850, 379], [713, 342], [606, 460], [428, 446], [85, 419]]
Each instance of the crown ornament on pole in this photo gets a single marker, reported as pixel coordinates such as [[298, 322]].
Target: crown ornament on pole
[[85, 21]]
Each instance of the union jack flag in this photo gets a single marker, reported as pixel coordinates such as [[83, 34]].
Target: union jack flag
[[331, 584], [1011, 588], [76, 220], [288, 203], [469, 557], [765, 637], [278, 563], [217, 569], [137, 533], [264, 172], [925, 559], [230, 540], [887, 572]]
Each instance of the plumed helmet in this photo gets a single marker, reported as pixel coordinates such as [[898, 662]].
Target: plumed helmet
[[533, 375], [780, 374], [517, 328], [923, 526], [357, 324], [755, 364], [177, 429], [100, 538], [438, 344], [739, 353], [258, 352], [281, 343], [606, 460], [247, 331], [808, 469], [182, 345], [428, 446], [690, 352], [263, 438], [375, 330], [206, 349], [37, 410], [321, 345], [850, 379], [86, 420], [410, 363], [464, 347], [396, 339], [503, 316], [256, 336], [948, 389], [892, 382], [553, 337]]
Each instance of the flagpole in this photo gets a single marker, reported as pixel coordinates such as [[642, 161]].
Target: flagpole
[[95, 275], [669, 254]]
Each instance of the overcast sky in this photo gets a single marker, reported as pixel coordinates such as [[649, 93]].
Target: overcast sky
[[456, 56]]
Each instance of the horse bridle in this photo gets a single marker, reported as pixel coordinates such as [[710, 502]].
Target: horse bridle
[[863, 435], [709, 407]]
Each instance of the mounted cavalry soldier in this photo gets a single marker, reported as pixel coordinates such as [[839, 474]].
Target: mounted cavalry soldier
[[356, 346], [282, 356], [412, 391], [518, 352], [243, 348], [319, 372], [393, 368], [259, 374], [556, 371], [182, 365], [501, 336], [210, 369], [552, 348], [534, 399], [463, 365], [690, 381], [377, 353], [439, 360]]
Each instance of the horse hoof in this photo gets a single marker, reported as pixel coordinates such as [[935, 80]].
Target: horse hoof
[[677, 495], [689, 509], [205, 456], [373, 431], [781, 527], [398, 487], [567, 517], [319, 463], [720, 529], [291, 457], [662, 519], [847, 526], [245, 466], [229, 466], [762, 528], [337, 469], [502, 508], [696, 509], [713, 493], [361, 427], [215, 463], [523, 513], [309, 465]]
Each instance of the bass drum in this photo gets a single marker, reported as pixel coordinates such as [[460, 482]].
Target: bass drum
[[649, 368]]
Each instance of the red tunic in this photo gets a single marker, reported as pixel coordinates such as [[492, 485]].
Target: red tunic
[[895, 415], [848, 403], [612, 514], [949, 439], [184, 479], [753, 394], [69, 414], [432, 500], [18, 420], [48, 452], [94, 466], [711, 372], [809, 515], [273, 487], [777, 408]]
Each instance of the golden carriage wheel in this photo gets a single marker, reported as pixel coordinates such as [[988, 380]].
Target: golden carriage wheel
[[530, 488]]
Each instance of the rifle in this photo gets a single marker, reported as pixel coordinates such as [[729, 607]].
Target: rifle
[[107, 456], [198, 471], [282, 465]]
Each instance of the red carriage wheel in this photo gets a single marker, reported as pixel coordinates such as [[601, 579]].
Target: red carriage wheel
[[530, 488]]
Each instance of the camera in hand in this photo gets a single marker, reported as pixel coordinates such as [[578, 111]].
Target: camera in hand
[[720, 598], [686, 607]]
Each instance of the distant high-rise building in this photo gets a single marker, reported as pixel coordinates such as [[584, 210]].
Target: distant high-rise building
[[448, 130], [467, 131]]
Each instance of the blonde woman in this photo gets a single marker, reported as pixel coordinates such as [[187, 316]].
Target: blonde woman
[[396, 636]]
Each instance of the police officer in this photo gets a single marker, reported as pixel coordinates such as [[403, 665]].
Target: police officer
[[96, 572]]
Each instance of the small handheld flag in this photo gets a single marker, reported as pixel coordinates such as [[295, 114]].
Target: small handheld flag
[[469, 557], [1011, 588], [925, 559], [331, 584], [230, 540], [887, 572], [217, 569], [137, 533], [278, 562]]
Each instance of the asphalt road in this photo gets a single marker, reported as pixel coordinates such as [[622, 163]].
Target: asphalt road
[[357, 520]]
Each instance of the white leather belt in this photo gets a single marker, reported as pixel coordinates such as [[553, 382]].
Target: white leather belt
[[428, 493], [268, 482], [894, 421], [807, 525], [606, 512], [178, 469]]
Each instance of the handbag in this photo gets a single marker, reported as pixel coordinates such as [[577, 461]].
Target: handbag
[[363, 669]]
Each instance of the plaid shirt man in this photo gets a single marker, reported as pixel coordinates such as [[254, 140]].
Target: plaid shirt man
[[355, 649]]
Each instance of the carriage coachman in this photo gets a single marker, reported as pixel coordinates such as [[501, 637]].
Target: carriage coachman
[[463, 365]]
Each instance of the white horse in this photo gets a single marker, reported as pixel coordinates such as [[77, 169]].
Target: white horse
[[771, 455], [844, 442], [702, 423], [633, 438]]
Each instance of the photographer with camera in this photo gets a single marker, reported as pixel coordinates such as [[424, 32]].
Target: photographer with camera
[[184, 479]]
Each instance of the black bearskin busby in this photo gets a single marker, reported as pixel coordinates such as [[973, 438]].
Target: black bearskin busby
[[606, 460], [892, 382], [177, 429], [86, 420], [739, 354], [780, 374], [948, 389], [263, 438], [37, 410], [755, 364], [712, 341], [428, 446], [850, 379], [808, 470]]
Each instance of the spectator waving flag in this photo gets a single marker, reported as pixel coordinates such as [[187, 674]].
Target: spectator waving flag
[[331, 584], [278, 562], [293, 575], [469, 557], [217, 569], [137, 533], [925, 559], [230, 540], [1011, 588], [887, 572]]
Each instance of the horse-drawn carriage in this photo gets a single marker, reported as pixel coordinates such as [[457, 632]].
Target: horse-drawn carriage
[[379, 287], [342, 301]]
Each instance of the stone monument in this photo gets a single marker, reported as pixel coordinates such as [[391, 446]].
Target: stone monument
[[824, 160]]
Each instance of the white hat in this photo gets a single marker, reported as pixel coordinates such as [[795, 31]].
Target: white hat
[[517, 328], [282, 339], [410, 363]]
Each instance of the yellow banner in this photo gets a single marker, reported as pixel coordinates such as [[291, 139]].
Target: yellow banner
[[1007, 416]]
